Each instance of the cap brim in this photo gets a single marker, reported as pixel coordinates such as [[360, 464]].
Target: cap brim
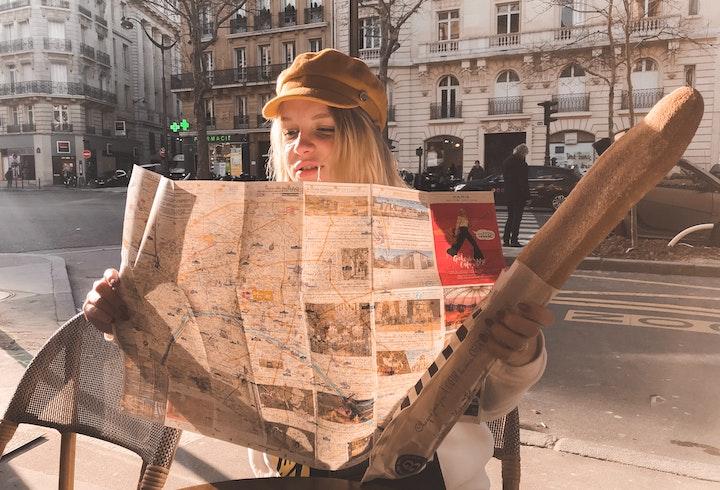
[[320, 96]]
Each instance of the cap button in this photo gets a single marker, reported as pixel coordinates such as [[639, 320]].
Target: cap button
[[363, 96]]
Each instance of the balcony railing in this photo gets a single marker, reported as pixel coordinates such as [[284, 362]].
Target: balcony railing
[[100, 20], [391, 113], [24, 44], [642, 98], [87, 51], [14, 4], [370, 54], [262, 21], [238, 24], [443, 46], [248, 74], [572, 102], [53, 44], [287, 18], [210, 120], [61, 127], [446, 111], [63, 4], [505, 105], [262, 122], [89, 129], [28, 128], [85, 11], [103, 58], [648, 25], [241, 121], [314, 15], [503, 40], [13, 128], [60, 88]]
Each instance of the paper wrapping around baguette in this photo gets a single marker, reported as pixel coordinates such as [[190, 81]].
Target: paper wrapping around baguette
[[618, 179]]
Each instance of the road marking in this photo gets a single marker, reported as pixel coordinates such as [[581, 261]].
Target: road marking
[[657, 283], [659, 307], [623, 319]]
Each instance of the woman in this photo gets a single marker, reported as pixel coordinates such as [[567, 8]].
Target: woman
[[328, 116]]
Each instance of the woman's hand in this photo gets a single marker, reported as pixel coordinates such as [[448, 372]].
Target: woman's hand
[[103, 304], [514, 333]]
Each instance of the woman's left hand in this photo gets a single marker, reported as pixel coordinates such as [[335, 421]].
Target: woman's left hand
[[514, 332]]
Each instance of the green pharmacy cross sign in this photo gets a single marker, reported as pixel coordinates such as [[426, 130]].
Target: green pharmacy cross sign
[[177, 126]]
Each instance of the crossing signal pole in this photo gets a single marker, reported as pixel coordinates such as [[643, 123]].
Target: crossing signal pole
[[550, 107]]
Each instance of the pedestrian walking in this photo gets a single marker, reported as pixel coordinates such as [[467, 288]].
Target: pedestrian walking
[[327, 121], [477, 172], [9, 177], [517, 192]]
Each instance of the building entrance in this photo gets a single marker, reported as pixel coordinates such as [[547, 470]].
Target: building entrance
[[499, 146]]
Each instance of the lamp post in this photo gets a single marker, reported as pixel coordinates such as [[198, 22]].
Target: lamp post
[[126, 24]]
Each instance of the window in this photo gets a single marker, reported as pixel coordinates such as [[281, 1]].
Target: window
[[56, 30], [128, 96], [126, 56], [645, 65], [263, 4], [572, 13], [17, 115], [265, 60], [369, 33], [23, 29], [240, 64], [507, 84], [649, 8], [690, 75], [241, 105], [7, 31], [30, 115], [447, 96], [210, 111], [61, 118], [693, 8], [315, 45], [508, 18], [289, 50], [572, 71], [572, 82], [448, 25], [58, 73], [83, 34]]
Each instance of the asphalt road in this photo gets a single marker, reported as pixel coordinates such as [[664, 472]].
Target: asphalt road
[[633, 358]]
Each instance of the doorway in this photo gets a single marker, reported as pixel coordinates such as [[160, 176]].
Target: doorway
[[499, 146]]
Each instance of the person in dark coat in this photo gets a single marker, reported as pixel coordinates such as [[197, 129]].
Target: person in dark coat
[[9, 177], [517, 192], [477, 172]]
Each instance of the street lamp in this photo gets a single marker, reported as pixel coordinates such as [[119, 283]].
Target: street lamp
[[126, 24]]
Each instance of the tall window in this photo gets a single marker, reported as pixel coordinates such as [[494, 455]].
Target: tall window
[[645, 74], [448, 25], [60, 116], [56, 30], [7, 31], [315, 45], [265, 60], [507, 84], [289, 51], [649, 8], [693, 8], [126, 56], [241, 105], [83, 34], [240, 63], [508, 18], [571, 13], [210, 111], [128, 96], [58, 72], [23, 29], [370, 33], [17, 115], [447, 96], [690, 75]]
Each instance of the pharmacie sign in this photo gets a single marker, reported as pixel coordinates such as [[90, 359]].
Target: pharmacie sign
[[227, 138]]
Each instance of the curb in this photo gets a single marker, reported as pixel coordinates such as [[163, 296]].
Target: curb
[[62, 292], [691, 469]]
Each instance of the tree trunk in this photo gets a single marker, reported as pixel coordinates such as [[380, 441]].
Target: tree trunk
[[201, 88]]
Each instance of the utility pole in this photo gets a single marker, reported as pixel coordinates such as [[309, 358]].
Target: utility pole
[[354, 33], [550, 107]]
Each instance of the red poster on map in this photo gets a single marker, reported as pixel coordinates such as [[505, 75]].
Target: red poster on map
[[467, 243]]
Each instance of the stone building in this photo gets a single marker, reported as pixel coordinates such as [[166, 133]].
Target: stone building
[[258, 42], [71, 79], [466, 82]]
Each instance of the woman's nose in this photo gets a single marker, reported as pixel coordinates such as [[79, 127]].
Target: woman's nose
[[303, 143]]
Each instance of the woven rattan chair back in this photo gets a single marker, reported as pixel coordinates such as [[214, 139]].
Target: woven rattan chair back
[[506, 433], [74, 385]]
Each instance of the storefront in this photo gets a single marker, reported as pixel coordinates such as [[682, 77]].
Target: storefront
[[18, 152], [572, 149], [229, 153]]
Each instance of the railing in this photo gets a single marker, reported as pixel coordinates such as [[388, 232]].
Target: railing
[[103, 58], [262, 122], [391, 113], [503, 40], [89, 129], [87, 51], [647, 24], [642, 98], [446, 111], [505, 105], [63, 4], [370, 54], [262, 21], [99, 94], [313, 15], [238, 24], [443, 46], [210, 121], [54, 44], [287, 18], [62, 88], [100, 20], [241, 121], [572, 102], [14, 4], [13, 128], [65, 127], [24, 44], [248, 74], [28, 128], [85, 11]]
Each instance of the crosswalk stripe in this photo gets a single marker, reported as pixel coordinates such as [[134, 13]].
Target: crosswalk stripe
[[528, 226]]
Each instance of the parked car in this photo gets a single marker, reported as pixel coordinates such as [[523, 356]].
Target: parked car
[[549, 186], [180, 173], [687, 196], [118, 178], [436, 178]]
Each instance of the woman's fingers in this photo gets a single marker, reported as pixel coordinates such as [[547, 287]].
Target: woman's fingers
[[103, 304], [112, 276], [513, 333], [98, 317], [537, 313]]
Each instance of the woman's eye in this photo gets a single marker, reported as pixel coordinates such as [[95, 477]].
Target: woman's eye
[[290, 133], [326, 132]]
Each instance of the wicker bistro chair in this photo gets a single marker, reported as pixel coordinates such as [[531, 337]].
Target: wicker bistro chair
[[74, 385], [506, 434]]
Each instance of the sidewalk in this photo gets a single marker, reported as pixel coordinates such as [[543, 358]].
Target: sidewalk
[[35, 298]]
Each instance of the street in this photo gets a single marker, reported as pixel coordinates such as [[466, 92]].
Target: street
[[633, 358]]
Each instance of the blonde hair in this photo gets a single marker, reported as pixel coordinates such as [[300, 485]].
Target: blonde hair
[[360, 153]]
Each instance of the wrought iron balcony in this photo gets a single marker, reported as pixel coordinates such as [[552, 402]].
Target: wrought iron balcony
[[87, 51], [85, 11], [642, 98], [53, 44], [287, 17], [238, 24], [103, 58], [241, 121], [505, 105], [391, 113], [28, 128], [100, 20], [13, 128], [64, 4], [262, 122], [314, 15], [24, 44], [572, 102], [61, 127], [14, 4], [446, 111], [210, 121], [248, 74], [262, 21]]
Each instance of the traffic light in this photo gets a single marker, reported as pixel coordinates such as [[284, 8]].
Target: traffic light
[[550, 107]]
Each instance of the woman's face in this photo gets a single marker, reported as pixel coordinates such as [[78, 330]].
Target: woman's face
[[308, 138]]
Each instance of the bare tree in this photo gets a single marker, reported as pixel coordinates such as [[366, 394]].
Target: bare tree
[[200, 21]]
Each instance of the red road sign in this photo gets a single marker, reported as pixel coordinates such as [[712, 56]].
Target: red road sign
[[87, 154]]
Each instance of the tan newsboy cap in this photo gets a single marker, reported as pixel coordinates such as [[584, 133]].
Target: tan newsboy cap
[[332, 78]]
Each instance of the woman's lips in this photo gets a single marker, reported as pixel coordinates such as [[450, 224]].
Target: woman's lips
[[308, 170]]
